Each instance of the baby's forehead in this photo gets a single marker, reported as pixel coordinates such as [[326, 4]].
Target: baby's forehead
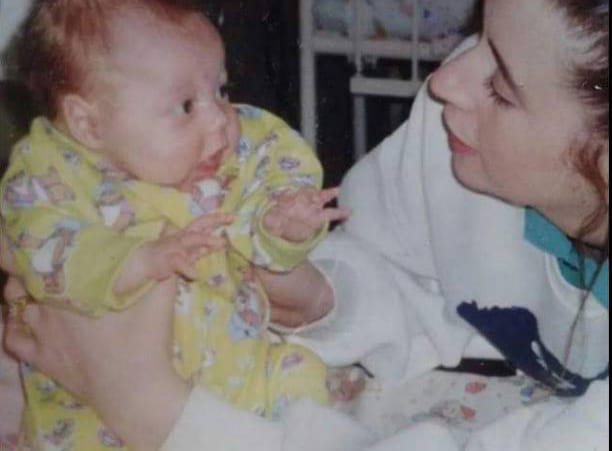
[[136, 40], [188, 26], [159, 61]]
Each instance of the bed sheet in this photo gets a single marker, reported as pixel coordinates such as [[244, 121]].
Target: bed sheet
[[462, 402], [393, 18]]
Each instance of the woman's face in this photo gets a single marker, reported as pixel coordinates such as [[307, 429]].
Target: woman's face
[[511, 116]]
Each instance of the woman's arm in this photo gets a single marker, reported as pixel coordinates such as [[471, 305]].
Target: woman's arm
[[11, 396], [115, 354]]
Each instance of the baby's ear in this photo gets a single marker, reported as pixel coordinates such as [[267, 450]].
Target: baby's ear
[[82, 118]]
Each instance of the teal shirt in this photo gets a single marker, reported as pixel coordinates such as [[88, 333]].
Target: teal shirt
[[545, 235]]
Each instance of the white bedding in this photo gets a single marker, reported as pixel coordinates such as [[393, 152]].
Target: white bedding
[[461, 403]]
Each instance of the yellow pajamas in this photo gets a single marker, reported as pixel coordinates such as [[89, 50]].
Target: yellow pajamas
[[73, 221]]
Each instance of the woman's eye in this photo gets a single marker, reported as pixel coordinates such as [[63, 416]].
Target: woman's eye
[[494, 94]]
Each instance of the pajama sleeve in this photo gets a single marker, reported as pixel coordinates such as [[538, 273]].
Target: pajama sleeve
[[61, 250], [274, 159]]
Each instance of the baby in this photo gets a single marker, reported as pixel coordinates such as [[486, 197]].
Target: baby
[[141, 180]]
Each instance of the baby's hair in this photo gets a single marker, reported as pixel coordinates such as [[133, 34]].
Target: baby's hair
[[61, 39]]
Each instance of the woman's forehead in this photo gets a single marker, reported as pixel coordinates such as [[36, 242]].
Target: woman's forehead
[[531, 38]]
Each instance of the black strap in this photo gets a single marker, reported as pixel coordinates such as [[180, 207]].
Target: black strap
[[484, 367]]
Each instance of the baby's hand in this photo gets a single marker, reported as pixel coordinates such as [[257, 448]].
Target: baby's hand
[[296, 216], [177, 251]]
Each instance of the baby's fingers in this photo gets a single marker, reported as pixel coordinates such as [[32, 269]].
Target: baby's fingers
[[194, 240], [325, 216], [212, 244], [335, 214], [211, 222], [329, 194]]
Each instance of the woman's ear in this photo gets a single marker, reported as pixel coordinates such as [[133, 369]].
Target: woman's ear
[[82, 120]]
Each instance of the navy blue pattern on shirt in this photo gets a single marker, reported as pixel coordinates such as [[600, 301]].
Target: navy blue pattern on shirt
[[514, 332]]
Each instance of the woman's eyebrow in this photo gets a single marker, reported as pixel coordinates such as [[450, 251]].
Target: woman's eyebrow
[[505, 71]]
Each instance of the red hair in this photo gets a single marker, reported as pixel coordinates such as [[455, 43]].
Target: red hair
[[61, 37]]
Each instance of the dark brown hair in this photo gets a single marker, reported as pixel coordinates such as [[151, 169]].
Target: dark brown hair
[[61, 36], [589, 23]]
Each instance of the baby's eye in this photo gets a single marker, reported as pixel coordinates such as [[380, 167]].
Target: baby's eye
[[186, 107], [222, 92]]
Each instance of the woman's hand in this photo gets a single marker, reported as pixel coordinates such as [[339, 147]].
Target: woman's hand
[[11, 398], [119, 364]]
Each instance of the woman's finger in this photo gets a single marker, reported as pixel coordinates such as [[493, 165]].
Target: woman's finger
[[14, 289], [19, 340]]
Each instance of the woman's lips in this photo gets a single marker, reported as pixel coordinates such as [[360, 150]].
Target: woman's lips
[[457, 146]]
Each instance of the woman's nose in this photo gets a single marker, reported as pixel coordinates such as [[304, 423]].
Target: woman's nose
[[454, 83]]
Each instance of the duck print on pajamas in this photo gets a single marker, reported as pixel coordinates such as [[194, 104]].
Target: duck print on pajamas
[[207, 195], [59, 437], [109, 439], [289, 164], [243, 149], [115, 211], [49, 254], [23, 191], [263, 164], [246, 321], [184, 300]]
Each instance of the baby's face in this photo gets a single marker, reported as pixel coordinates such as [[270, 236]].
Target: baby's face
[[165, 117]]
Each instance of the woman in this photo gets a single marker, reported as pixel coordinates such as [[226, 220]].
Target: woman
[[506, 240]]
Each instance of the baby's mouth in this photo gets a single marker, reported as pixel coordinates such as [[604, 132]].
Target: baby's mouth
[[209, 167]]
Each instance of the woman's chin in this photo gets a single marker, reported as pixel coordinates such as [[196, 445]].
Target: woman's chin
[[467, 174]]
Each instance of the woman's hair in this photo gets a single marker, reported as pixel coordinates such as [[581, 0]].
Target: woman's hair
[[62, 40], [589, 23]]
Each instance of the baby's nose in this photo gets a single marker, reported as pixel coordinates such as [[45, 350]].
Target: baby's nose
[[214, 116]]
